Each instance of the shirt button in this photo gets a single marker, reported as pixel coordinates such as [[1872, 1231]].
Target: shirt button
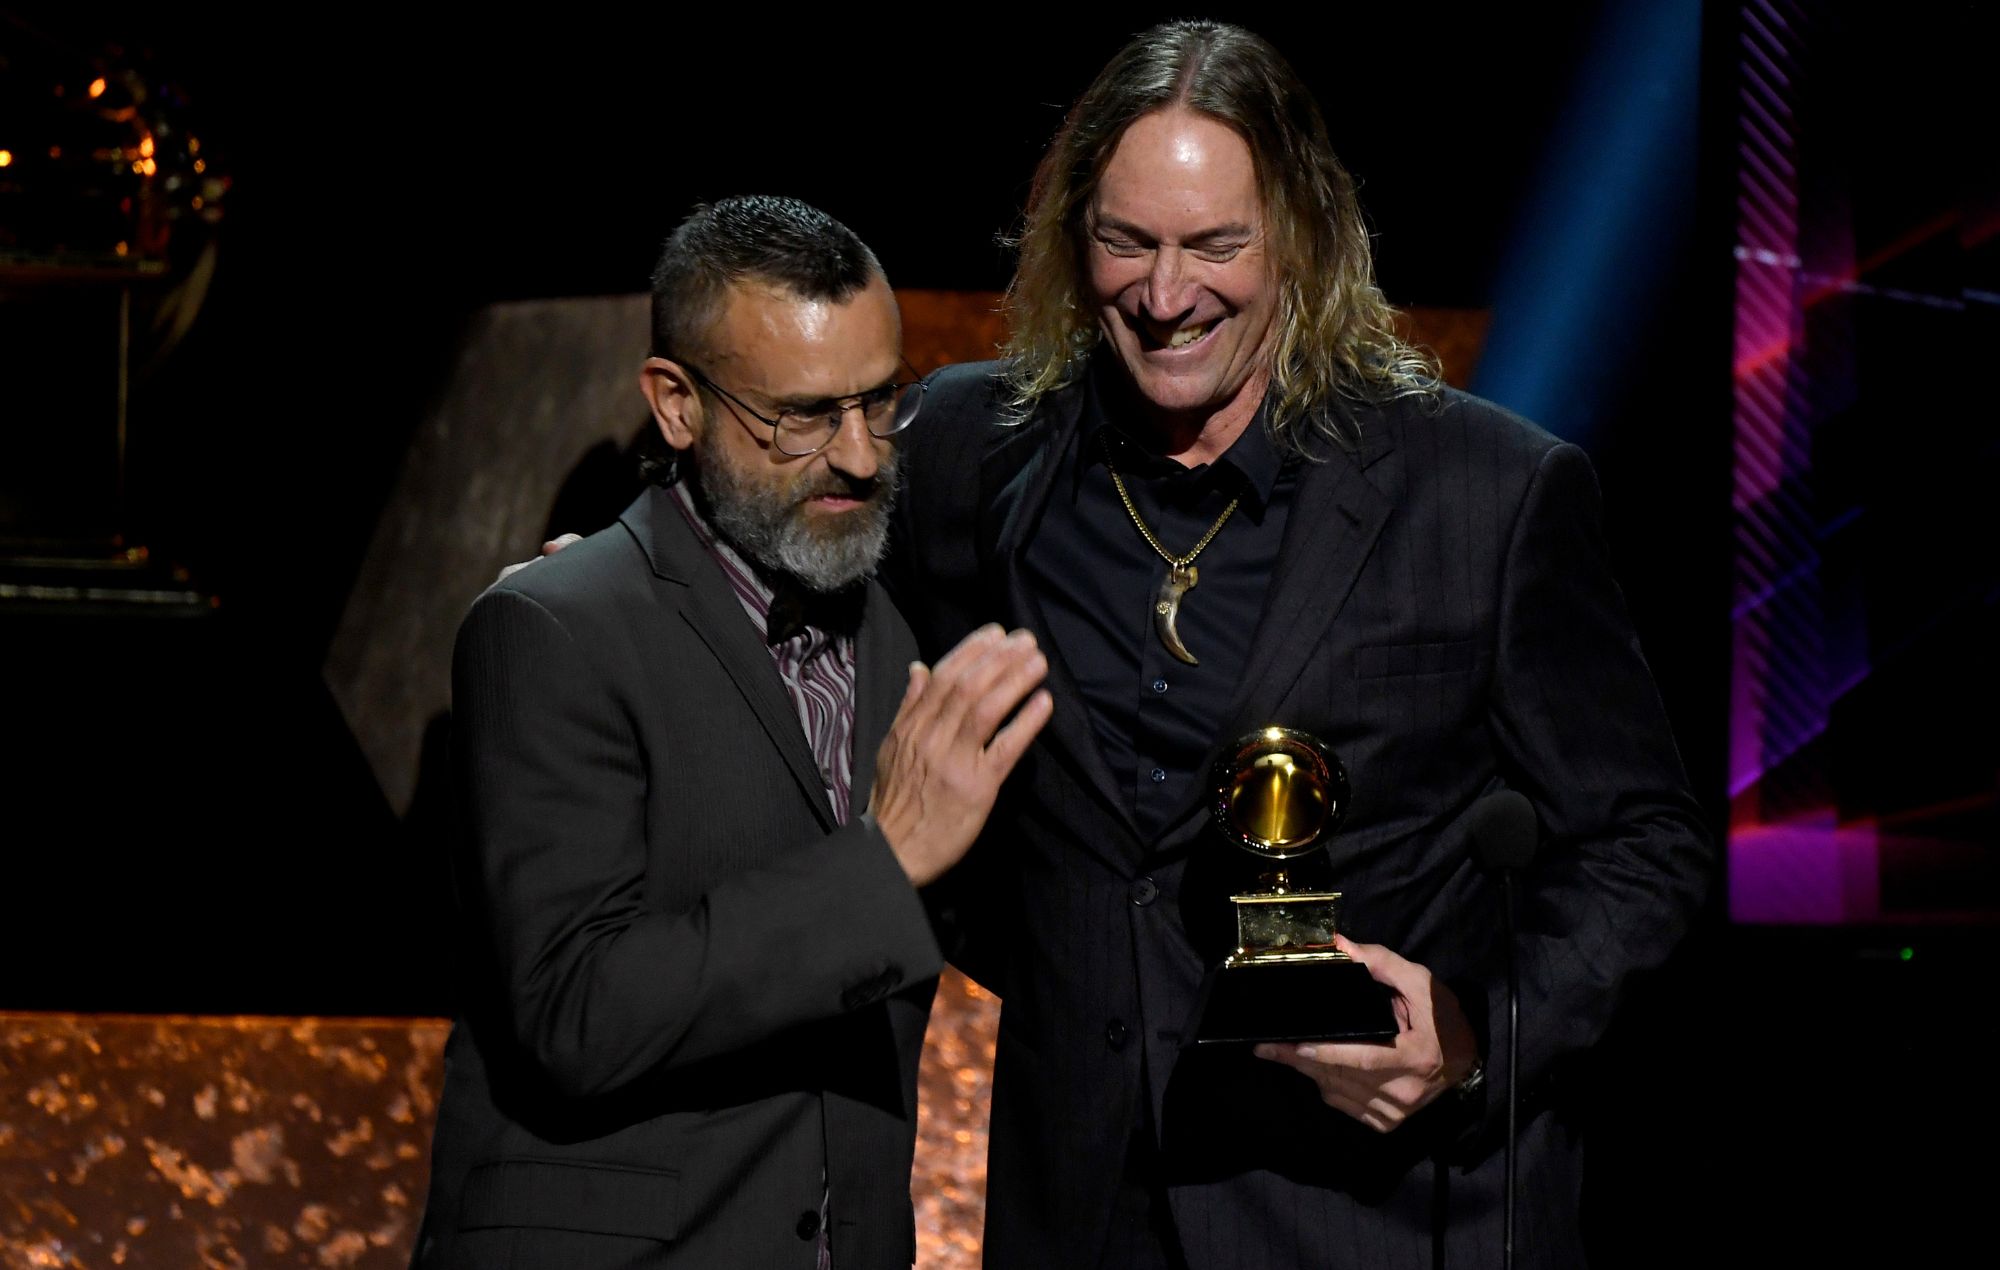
[[808, 1225], [1144, 892], [1159, 775], [1159, 685], [1115, 1034]]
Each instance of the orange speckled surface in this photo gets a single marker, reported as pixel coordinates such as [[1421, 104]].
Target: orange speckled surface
[[953, 1093], [177, 1141], [184, 1142]]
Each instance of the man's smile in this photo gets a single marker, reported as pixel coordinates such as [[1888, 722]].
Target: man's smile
[[1173, 339]]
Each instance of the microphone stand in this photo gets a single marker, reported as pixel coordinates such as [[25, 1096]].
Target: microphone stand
[[1513, 1067], [1504, 835]]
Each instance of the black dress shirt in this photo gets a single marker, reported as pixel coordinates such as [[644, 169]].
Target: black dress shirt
[[1154, 716]]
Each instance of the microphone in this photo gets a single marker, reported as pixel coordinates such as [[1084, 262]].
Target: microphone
[[1504, 834]]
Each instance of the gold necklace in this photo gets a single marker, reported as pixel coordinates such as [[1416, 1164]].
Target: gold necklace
[[1181, 573]]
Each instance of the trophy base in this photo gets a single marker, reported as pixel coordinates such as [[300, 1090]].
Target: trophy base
[[1319, 1000]]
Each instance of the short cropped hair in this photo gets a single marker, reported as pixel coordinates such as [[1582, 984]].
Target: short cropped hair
[[761, 237]]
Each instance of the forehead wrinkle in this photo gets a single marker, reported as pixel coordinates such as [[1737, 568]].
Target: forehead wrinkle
[[808, 403], [774, 339], [792, 315], [1184, 166]]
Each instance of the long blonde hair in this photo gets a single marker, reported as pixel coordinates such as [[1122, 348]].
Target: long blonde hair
[[1335, 333]]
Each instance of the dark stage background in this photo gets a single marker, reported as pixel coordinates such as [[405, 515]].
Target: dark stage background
[[193, 827]]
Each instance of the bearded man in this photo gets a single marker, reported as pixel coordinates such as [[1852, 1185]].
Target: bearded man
[[701, 780]]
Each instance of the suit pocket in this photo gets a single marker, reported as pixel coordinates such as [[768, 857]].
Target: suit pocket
[[558, 1195], [1384, 661]]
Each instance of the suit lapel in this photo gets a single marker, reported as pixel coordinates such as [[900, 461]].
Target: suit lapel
[[1017, 478], [1336, 517], [879, 668], [708, 604]]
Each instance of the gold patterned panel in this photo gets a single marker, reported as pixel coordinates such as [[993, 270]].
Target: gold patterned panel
[[177, 1141], [173, 1141]]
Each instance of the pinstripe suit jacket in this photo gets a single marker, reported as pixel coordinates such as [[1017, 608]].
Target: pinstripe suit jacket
[[696, 1001], [1443, 614]]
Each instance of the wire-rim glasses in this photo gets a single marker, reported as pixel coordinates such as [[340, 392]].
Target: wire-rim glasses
[[886, 410]]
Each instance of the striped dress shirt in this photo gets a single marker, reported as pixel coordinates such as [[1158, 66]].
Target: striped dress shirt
[[816, 665]]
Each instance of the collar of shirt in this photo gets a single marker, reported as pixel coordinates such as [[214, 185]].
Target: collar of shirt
[[1251, 464]]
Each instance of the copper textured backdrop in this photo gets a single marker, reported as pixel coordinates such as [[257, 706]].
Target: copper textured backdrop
[[953, 1088], [176, 1141]]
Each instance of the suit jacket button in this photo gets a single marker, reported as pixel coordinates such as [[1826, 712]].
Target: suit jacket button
[[808, 1225], [1144, 892], [1115, 1034]]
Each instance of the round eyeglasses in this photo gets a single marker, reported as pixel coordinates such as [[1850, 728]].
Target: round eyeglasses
[[800, 431]]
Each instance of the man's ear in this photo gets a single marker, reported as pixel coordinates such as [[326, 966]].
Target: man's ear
[[676, 402]]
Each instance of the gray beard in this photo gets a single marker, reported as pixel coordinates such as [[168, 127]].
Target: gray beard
[[769, 528]]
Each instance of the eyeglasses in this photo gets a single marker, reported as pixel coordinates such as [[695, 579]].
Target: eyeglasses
[[808, 430]]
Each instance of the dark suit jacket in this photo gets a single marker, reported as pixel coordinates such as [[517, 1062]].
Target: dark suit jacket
[[695, 1000], [1443, 614]]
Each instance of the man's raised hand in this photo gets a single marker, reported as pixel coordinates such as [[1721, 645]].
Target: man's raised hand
[[946, 754]]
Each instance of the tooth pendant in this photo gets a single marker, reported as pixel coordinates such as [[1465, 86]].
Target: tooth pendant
[[1179, 581]]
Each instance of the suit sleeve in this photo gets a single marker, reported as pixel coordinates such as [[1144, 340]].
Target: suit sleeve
[[599, 986], [1624, 858], [932, 570]]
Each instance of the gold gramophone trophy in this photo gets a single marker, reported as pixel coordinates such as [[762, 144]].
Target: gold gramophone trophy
[[1278, 793]]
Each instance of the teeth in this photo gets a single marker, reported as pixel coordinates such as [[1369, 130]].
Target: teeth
[[1188, 335]]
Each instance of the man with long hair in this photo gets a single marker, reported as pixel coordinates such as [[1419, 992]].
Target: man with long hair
[[1225, 495]]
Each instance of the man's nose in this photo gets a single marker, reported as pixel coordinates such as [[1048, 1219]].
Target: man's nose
[[853, 448], [1169, 293]]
